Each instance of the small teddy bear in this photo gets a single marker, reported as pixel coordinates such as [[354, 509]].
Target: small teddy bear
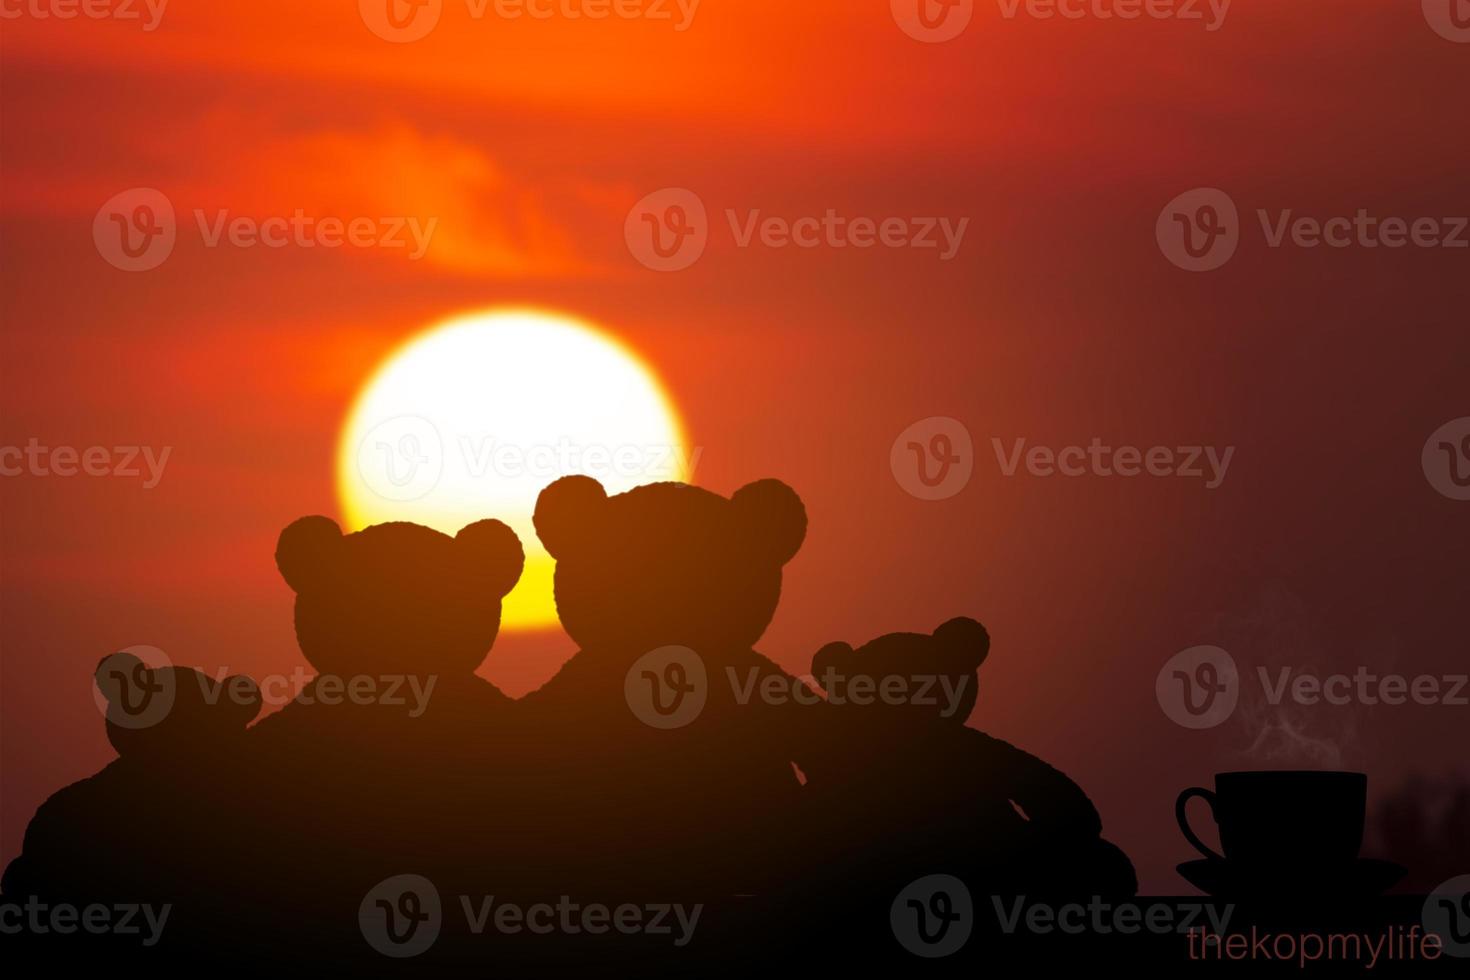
[[935, 793], [153, 826]]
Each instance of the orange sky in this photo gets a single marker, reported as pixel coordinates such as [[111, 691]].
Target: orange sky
[[1059, 320]]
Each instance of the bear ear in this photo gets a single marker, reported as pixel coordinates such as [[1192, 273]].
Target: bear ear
[[567, 513], [113, 666], [830, 658], [491, 550], [307, 550], [965, 642], [772, 513], [241, 695]]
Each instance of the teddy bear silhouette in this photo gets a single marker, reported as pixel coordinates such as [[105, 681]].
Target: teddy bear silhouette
[[386, 759], [666, 589], [667, 759], [937, 794], [140, 831]]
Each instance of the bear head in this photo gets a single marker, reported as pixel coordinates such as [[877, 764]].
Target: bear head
[[169, 712], [668, 563], [908, 679], [397, 598]]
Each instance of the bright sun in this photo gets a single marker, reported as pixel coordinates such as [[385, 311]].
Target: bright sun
[[474, 416]]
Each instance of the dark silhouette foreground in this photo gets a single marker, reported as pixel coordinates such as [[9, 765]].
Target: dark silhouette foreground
[[668, 765]]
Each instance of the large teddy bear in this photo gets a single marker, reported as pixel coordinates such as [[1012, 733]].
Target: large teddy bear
[[671, 746], [388, 760], [395, 618]]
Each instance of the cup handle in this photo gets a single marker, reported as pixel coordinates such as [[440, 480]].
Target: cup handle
[[1181, 815]]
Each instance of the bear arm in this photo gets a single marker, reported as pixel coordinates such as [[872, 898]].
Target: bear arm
[[1050, 798]]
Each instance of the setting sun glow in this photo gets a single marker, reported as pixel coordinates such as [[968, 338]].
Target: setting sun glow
[[473, 417]]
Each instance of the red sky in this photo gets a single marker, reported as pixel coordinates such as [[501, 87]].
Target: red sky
[[1059, 320]]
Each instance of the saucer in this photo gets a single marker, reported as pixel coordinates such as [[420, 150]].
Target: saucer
[[1364, 878]]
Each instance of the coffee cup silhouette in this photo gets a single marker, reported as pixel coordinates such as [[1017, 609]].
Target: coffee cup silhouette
[[1283, 824]]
